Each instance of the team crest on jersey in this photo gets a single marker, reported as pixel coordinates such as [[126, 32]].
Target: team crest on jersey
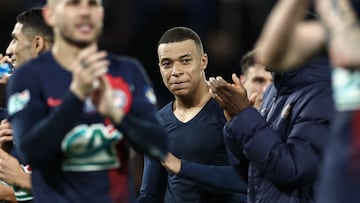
[[122, 94], [120, 99], [90, 148], [18, 101], [150, 95]]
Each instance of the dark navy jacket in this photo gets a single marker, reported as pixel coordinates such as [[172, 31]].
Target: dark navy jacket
[[284, 142]]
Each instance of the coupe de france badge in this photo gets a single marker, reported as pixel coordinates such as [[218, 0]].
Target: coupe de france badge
[[18, 101]]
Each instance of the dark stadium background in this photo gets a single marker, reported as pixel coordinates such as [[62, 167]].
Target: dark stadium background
[[228, 29]]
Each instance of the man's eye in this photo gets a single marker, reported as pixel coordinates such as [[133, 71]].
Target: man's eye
[[165, 64], [73, 2], [93, 3], [259, 80], [186, 61]]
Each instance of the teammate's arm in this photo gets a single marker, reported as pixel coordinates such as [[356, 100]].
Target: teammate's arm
[[224, 178], [344, 42], [285, 41], [7, 194]]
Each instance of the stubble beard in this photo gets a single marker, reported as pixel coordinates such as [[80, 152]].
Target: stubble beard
[[78, 43]]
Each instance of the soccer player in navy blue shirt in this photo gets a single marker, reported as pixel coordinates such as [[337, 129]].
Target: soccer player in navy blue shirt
[[31, 36], [193, 123], [73, 110]]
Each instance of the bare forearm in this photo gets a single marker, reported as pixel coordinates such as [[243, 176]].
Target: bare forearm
[[279, 30], [24, 181], [338, 15], [344, 41], [7, 194]]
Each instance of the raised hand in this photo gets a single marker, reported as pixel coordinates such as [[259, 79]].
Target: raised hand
[[103, 99], [342, 25], [90, 65], [231, 97]]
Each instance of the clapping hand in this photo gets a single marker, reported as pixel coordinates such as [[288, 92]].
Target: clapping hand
[[88, 67], [231, 97]]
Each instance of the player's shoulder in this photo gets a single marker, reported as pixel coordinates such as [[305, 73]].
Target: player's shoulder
[[166, 111], [128, 67], [36, 64], [32, 68]]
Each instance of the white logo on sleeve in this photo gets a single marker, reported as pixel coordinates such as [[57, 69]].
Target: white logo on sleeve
[[18, 101], [150, 95]]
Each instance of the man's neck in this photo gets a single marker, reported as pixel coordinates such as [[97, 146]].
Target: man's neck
[[185, 108]]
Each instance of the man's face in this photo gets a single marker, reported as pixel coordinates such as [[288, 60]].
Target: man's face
[[20, 48], [182, 66], [256, 79], [77, 22]]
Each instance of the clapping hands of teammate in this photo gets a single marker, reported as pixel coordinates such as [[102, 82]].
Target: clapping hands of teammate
[[88, 67], [89, 80], [231, 97], [103, 99], [342, 30], [172, 164]]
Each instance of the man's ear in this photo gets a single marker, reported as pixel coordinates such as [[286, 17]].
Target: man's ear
[[38, 44], [204, 61]]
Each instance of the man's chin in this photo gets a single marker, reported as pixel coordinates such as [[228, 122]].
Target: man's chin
[[81, 43], [180, 92]]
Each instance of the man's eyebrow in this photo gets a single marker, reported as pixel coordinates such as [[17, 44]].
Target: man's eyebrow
[[259, 77], [185, 55], [169, 59], [165, 59]]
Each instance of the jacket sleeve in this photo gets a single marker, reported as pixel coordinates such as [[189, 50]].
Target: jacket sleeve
[[224, 178], [288, 162], [236, 157], [154, 182]]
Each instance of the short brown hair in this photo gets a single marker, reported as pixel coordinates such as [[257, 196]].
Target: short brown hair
[[247, 60]]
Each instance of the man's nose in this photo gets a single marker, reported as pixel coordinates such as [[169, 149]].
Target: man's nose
[[9, 50], [176, 68]]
